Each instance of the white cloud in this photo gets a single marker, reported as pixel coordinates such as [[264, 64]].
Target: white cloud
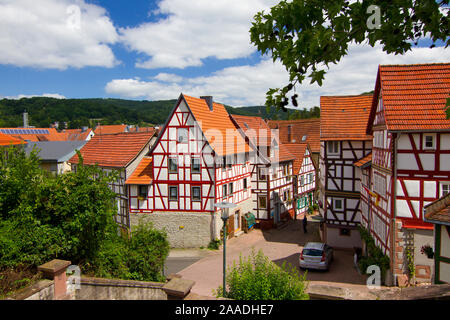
[[195, 30], [48, 95], [55, 34], [247, 85]]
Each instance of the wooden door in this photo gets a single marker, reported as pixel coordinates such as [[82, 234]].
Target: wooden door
[[230, 227]]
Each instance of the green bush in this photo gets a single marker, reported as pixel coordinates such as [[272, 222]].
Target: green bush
[[375, 255], [214, 244], [258, 278], [70, 217], [148, 249]]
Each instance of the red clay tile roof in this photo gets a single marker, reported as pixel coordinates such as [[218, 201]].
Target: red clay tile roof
[[76, 134], [113, 150], [300, 128], [344, 117], [217, 127], [439, 210], [363, 161], [7, 140], [255, 128], [143, 174], [283, 154], [110, 129], [298, 150], [414, 96]]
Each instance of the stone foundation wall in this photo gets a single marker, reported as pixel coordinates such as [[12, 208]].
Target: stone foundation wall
[[184, 230], [111, 289]]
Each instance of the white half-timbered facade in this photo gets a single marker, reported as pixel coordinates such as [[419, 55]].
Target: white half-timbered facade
[[304, 177], [198, 160], [272, 172], [410, 160], [343, 142]]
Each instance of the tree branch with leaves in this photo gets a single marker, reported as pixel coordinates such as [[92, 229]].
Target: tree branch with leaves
[[309, 35]]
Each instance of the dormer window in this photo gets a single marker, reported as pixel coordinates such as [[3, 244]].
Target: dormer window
[[429, 141]]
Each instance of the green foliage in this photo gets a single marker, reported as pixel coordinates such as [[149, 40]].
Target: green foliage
[[148, 249], [214, 244], [82, 112], [140, 257], [307, 36], [410, 261], [70, 216], [258, 278], [375, 255]]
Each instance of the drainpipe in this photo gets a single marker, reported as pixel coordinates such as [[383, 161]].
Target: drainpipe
[[394, 210]]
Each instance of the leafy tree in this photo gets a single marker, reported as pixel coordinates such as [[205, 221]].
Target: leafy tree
[[308, 35], [258, 278]]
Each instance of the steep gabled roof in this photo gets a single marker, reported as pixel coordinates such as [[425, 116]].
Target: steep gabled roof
[[143, 174], [113, 150], [217, 127], [308, 128], [298, 150], [7, 140], [255, 128], [414, 96], [344, 117], [438, 211]]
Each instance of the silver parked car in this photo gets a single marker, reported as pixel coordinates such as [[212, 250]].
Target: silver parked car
[[316, 255]]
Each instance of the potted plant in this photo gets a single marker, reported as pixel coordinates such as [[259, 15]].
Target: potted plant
[[427, 250]]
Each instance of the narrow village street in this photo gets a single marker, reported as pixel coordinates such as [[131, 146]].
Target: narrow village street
[[280, 245]]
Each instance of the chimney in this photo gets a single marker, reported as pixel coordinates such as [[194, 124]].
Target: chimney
[[25, 119], [209, 101]]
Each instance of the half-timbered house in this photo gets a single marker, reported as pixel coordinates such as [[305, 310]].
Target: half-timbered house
[[343, 141], [304, 176], [301, 131], [272, 172], [122, 152], [410, 159], [199, 159]]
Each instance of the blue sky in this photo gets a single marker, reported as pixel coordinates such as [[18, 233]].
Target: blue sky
[[154, 50]]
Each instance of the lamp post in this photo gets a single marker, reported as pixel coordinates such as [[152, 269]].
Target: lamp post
[[225, 207]]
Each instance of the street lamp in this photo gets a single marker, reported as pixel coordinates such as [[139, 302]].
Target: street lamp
[[225, 207]]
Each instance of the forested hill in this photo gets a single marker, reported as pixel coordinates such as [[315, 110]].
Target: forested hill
[[43, 111]]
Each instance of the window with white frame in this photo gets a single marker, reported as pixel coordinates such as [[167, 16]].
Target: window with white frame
[[445, 188], [196, 194], [195, 165], [333, 147], [379, 184], [231, 188], [429, 141], [224, 191], [338, 205], [173, 193], [262, 202], [173, 165]]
